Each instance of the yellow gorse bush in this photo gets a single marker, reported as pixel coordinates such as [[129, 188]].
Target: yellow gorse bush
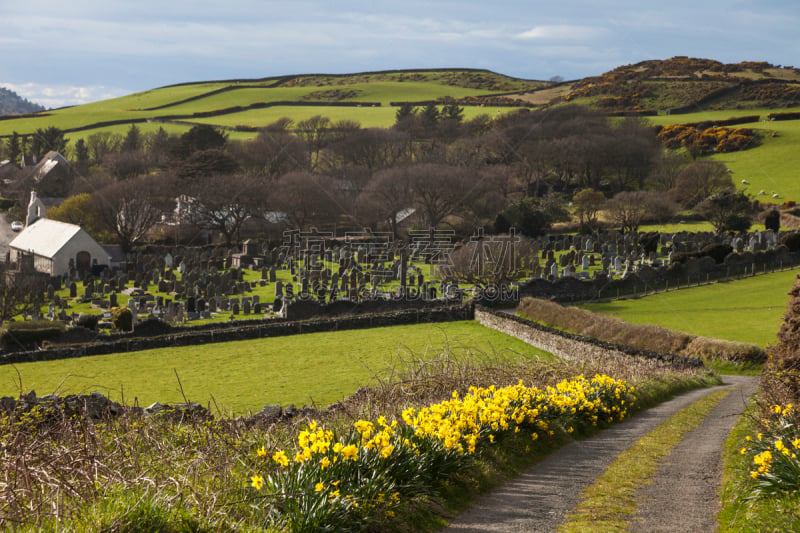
[[347, 481]]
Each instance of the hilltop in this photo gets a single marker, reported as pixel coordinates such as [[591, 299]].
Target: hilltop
[[11, 103], [654, 87]]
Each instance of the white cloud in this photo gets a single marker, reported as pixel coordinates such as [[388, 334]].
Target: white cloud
[[561, 33], [53, 96]]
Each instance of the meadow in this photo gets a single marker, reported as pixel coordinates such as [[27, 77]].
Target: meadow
[[749, 310], [314, 368], [382, 88], [770, 166]]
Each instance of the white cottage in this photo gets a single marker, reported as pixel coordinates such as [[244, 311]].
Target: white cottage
[[53, 244]]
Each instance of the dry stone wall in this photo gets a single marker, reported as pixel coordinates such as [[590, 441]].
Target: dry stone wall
[[566, 345]]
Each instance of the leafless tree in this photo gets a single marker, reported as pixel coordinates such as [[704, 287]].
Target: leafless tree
[[440, 189], [308, 199], [128, 209]]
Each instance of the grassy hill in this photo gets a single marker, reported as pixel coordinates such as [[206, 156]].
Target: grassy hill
[[248, 104], [676, 90], [12, 103]]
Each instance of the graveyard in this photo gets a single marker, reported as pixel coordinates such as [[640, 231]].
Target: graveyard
[[311, 275]]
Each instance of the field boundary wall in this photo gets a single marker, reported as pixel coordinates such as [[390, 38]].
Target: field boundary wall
[[567, 345]]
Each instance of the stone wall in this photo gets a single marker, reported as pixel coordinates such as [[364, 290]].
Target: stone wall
[[566, 345], [233, 331]]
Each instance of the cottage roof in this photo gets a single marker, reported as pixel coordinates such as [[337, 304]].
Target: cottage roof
[[45, 237], [48, 162]]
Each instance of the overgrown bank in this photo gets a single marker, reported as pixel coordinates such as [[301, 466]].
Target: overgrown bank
[[201, 474]]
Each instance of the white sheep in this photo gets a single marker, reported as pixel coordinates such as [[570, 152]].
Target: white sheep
[[745, 182]]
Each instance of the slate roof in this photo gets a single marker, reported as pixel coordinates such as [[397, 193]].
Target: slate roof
[[45, 237]]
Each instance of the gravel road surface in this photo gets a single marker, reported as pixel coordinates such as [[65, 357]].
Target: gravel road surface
[[539, 499]]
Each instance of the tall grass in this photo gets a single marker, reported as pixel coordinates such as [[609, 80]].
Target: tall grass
[[641, 336], [123, 474]]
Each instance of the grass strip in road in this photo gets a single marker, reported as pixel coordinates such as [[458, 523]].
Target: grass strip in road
[[610, 502]]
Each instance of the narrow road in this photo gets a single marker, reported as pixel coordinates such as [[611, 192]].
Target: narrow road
[[684, 495], [539, 499]]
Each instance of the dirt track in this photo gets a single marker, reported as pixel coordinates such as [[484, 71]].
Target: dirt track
[[683, 496]]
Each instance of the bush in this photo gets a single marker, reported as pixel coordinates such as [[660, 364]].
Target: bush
[[722, 350], [122, 318], [21, 335], [717, 251], [88, 321], [791, 241]]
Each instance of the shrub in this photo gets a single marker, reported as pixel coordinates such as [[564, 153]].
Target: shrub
[[608, 329], [718, 349], [88, 321], [780, 380], [717, 251], [122, 318], [791, 241]]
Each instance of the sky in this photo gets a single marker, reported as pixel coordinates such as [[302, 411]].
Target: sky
[[57, 52]]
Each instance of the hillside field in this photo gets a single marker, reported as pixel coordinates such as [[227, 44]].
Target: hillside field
[[314, 368], [748, 310]]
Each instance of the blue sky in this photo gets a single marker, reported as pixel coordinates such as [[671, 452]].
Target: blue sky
[[67, 52]]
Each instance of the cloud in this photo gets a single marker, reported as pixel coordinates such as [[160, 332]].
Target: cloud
[[53, 96], [562, 33]]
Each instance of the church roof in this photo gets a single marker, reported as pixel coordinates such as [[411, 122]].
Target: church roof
[[45, 237]]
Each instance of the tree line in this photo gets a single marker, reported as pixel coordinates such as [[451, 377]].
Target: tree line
[[521, 169]]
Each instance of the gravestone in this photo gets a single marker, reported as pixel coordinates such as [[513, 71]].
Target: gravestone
[[73, 290]]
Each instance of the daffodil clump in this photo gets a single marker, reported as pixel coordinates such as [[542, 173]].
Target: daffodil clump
[[776, 453], [341, 482]]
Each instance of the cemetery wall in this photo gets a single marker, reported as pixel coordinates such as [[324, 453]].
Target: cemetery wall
[[567, 345], [237, 331], [693, 270]]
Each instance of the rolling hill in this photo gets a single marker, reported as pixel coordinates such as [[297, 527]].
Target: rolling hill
[[11, 103], [676, 90]]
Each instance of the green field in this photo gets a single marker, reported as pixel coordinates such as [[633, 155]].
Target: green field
[[317, 367], [382, 88], [749, 310], [771, 166]]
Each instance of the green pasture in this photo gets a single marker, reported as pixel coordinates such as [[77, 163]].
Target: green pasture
[[771, 166], [748, 310], [314, 368], [368, 88]]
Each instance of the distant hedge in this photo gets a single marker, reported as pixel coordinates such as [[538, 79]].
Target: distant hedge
[[16, 334]]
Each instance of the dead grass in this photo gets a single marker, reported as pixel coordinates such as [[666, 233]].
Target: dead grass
[[641, 336], [67, 473]]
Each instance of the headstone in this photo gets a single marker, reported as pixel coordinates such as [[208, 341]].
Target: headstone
[[112, 300], [73, 290], [246, 306]]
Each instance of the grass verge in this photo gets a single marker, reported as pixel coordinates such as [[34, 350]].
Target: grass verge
[[608, 504], [765, 514]]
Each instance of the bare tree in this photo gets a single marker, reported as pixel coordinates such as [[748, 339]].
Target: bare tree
[[128, 210], [20, 289], [440, 189], [224, 203], [699, 180], [308, 199], [387, 195]]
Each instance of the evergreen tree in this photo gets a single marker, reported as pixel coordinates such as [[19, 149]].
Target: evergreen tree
[[133, 140], [14, 148]]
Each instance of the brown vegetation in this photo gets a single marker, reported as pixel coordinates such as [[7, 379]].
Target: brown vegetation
[[780, 381], [644, 337]]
